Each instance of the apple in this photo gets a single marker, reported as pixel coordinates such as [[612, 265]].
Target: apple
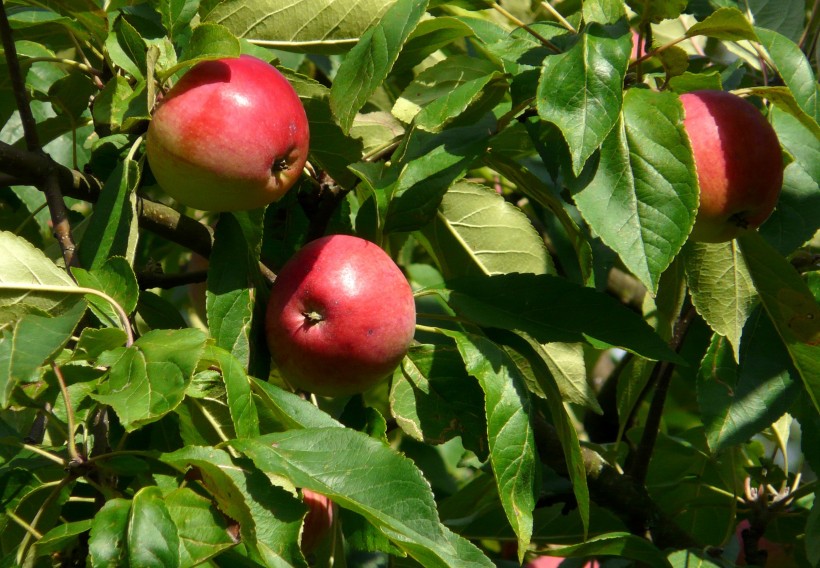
[[341, 316], [318, 521], [738, 161], [231, 135], [555, 562]]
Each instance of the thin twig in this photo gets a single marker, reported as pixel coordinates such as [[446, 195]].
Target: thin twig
[[72, 447], [557, 15], [511, 17], [53, 457], [27, 527], [165, 281], [662, 377]]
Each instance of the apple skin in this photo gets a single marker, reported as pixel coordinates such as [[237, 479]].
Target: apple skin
[[341, 316], [777, 555], [738, 161], [318, 521], [231, 135]]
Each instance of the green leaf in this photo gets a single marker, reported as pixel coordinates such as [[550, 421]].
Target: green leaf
[[326, 26], [112, 230], [132, 46], [434, 399], [738, 400], [794, 221], [208, 41], [565, 363], [642, 197], [93, 342], [238, 390], [724, 23], [785, 17], [512, 442], [158, 313], [655, 11], [25, 267], [531, 186], [152, 536], [581, 91], [393, 496], [229, 301], [370, 61], [602, 11], [795, 70], [289, 409], [554, 309], [106, 544], [457, 88], [115, 278], [428, 168], [790, 305], [688, 82], [527, 347], [721, 288], [148, 379], [269, 517], [623, 545], [476, 231], [112, 104], [176, 14], [60, 536], [428, 37], [34, 341], [201, 529]]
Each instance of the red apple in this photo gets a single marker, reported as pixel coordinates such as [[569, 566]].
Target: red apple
[[777, 555], [318, 521], [341, 316], [738, 161], [230, 135], [555, 562]]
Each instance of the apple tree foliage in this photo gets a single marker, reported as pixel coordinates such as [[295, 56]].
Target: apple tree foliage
[[585, 381]]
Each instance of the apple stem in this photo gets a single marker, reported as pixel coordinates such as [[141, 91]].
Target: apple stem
[[313, 317]]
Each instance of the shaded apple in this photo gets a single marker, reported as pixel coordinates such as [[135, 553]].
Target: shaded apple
[[738, 161], [341, 316], [231, 135], [777, 555], [318, 521]]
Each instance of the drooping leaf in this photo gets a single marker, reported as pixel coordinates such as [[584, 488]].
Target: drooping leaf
[[512, 442], [721, 288], [326, 26], [739, 399], [553, 309], [393, 496], [208, 41], [60, 536], [783, 99], [581, 91], [794, 311], [371, 60], [642, 196], [116, 279], [477, 232]]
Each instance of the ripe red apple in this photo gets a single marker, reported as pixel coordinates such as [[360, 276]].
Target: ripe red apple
[[230, 135], [318, 521], [777, 555], [555, 562], [340, 317], [738, 161]]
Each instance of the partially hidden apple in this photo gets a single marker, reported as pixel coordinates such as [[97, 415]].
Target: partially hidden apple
[[231, 135], [738, 161], [318, 521], [341, 316]]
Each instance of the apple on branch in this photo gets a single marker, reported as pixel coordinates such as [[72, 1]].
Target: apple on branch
[[738, 161], [231, 135], [341, 316]]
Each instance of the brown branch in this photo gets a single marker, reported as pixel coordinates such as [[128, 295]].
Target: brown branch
[[50, 184], [638, 465], [617, 492], [161, 280]]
